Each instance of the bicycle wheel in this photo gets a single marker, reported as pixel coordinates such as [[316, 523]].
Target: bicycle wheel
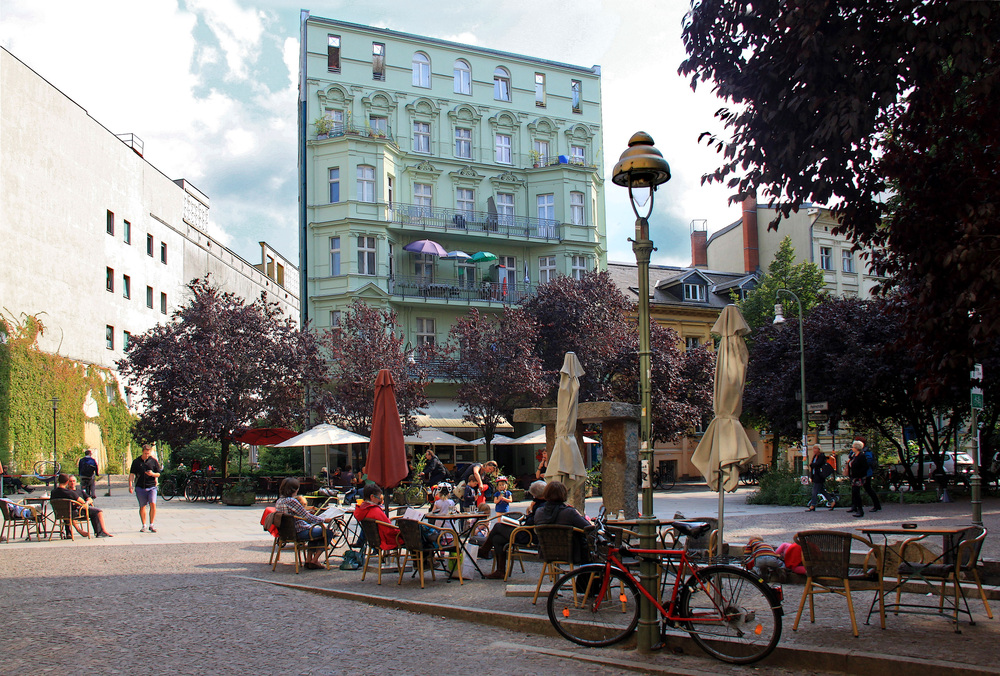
[[667, 481], [192, 490], [730, 614], [46, 468], [583, 615], [168, 490]]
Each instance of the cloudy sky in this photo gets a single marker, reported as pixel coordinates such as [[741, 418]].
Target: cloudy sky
[[210, 87]]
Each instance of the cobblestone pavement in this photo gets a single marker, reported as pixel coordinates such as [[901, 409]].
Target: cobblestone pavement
[[74, 603]]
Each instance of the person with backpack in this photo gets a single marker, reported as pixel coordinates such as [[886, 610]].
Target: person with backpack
[[819, 471], [872, 466], [87, 468]]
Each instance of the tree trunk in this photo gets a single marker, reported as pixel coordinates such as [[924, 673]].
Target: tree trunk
[[225, 458], [774, 450]]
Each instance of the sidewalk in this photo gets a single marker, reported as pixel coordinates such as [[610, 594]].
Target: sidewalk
[[908, 642]]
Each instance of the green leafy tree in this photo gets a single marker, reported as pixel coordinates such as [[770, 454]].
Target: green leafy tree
[[804, 279], [838, 102], [366, 342], [219, 366]]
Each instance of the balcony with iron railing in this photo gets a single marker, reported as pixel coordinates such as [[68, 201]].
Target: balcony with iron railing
[[465, 222], [461, 291], [339, 130]]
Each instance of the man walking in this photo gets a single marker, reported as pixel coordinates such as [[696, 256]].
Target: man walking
[[142, 477], [88, 471]]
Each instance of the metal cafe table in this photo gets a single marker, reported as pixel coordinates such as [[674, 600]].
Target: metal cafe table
[[949, 547], [467, 520]]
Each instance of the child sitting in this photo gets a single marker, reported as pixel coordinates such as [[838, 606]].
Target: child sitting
[[443, 504], [501, 496], [761, 558]]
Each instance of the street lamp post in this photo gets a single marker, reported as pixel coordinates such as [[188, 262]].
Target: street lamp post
[[643, 168], [779, 319], [55, 457]]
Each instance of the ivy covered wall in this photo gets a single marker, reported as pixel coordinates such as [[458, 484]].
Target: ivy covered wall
[[29, 379]]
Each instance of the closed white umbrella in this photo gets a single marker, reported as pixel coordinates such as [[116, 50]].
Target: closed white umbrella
[[566, 461], [725, 445]]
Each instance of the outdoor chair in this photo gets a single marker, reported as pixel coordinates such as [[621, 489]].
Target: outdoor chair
[[443, 549], [961, 557], [288, 525], [826, 555], [370, 527], [556, 545], [27, 517], [69, 518], [515, 549]]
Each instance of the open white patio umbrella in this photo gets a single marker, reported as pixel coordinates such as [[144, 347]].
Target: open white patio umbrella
[[725, 445], [566, 461], [323, 435], [538, 437], [435, 437], [498, 440]]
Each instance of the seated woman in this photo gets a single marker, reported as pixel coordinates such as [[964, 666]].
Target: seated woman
[[371, 508], [310, 527], [499, 536], [555, 511]]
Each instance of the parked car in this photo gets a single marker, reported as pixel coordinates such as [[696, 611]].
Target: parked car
[[963, 465]]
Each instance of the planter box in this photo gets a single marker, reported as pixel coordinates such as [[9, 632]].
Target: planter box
[[246, 499]]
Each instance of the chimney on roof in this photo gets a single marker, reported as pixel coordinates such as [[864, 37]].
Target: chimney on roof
[[751, 249], [699, 243]]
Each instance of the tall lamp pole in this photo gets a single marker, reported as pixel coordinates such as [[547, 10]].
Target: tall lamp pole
[[779, 319], [55, 459], [641, 169]]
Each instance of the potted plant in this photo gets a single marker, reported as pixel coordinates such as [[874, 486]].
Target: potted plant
[[324, 126], [242, 493], [536, 159]]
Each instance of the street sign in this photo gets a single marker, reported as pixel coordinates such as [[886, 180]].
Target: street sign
[[977, 392], [818, 417], [817, 407]]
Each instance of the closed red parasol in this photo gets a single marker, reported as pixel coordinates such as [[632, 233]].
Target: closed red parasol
[[386, 450]]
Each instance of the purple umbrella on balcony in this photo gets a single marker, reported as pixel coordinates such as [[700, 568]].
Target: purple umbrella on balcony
[[426, 246]]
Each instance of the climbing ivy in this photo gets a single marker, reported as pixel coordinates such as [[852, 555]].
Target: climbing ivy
[[30, 379]]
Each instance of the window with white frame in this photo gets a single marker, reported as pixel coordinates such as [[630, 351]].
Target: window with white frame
[[694, 292], [127, 232], [505, 208], [378, 61], [334, 256], [421, 137], [503, 149], [540, 152], [421, 70], [425, 331], [463, 143], [576, 208], [366, 183], [577, 155], [389, 185], [546, 209], [463, 77], [334, 184], [149, 245], [423, 198], [126, 286], [578, 266], [163, 252], [149, 297], [111, 223], [576, 89], [366, 255], [847, 260], [336, 117], [691, 342], [379, 125], [335, 319], [501, 84], [467, 275], [163, 303], [126, 339], [423, 268], [540, 90], [465, 201], [826, 258], [333, 53], [546, 269]]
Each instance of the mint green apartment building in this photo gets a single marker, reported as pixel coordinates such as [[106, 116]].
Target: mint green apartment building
[[404, 138]]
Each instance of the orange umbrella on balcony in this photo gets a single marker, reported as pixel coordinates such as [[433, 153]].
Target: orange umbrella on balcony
[[387, 449]]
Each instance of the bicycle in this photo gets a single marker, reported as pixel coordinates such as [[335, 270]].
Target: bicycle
[[663, 478], [47, 470], [173, 487], [200, 487], [731, 614]]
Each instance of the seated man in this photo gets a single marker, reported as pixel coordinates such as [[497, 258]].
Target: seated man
[[67, 490], [13, 481]]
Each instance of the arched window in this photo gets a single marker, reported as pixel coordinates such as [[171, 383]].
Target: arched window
[[463, 77], [421, 70], [501, 84]]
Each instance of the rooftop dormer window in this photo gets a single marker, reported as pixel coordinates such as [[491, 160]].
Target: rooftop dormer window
[[694, 292]]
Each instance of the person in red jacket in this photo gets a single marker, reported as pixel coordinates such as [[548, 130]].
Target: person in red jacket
[[371, 508]]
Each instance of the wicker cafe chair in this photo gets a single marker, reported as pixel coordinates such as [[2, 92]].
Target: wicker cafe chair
[[961, 557], [29, 521], [443, 550], [288, 525], [826, 555], [556, 546], [69, 517], [370, 527]]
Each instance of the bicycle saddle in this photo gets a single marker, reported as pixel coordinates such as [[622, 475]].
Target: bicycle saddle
[[693, 529]]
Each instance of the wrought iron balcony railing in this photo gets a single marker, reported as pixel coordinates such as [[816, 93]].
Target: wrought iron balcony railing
[[462, 291], [475, 222]]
